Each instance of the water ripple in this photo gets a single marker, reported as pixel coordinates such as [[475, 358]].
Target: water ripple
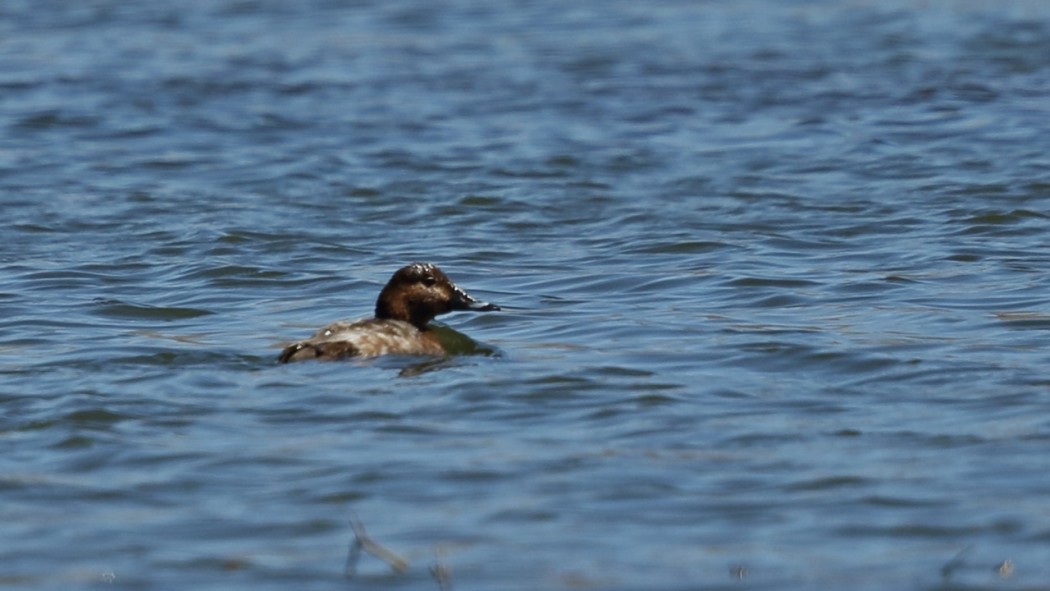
[[772, 278]]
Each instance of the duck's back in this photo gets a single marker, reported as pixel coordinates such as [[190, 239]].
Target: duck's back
[[364, 338]]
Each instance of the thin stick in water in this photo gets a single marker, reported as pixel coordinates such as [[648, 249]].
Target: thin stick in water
[[362, 541]]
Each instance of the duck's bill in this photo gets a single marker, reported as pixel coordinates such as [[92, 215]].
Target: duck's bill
[[483, 306], [465, 301]]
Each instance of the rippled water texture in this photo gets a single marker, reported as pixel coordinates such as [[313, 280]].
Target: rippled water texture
[[773, 277]]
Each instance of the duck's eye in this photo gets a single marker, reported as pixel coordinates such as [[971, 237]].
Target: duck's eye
[[429, 280]]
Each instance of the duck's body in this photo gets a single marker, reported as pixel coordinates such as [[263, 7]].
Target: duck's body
[[411, 299], [371, 337]]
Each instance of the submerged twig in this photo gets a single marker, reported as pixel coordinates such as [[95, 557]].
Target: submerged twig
[[441, 572], [1005, 569], [738, 572], [361, 542], [956, 562]]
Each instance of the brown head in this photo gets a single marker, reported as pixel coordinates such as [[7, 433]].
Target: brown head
[[419, 292]]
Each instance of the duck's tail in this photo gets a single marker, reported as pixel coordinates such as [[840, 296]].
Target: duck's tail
[[324, 351]]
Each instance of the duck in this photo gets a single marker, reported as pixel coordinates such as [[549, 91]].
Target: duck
[[413, 296]]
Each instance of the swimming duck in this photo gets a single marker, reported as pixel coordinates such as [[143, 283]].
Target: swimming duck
[[412, 298]]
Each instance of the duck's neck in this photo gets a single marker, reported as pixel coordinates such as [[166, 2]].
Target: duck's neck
[[393, 309]]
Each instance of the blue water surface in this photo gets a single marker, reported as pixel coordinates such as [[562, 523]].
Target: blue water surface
[[773, 277]]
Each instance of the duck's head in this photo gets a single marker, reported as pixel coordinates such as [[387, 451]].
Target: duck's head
[[419, 292]]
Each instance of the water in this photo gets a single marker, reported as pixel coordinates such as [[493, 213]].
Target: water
[[773, 277]]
